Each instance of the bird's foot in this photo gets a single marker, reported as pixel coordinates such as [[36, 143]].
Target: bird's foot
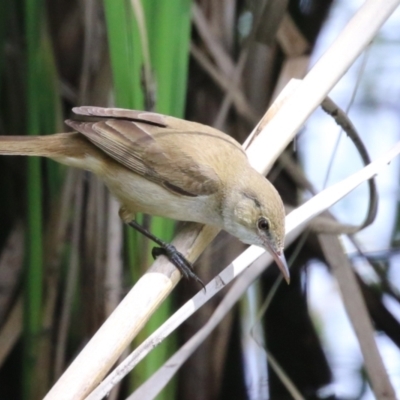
[[178, 259]]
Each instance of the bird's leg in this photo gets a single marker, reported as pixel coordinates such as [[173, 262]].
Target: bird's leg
[[170, 251]]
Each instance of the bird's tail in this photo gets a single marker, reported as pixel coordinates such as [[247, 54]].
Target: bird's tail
[[53, 146]]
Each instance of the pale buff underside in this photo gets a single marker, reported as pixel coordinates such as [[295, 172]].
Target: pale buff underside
[[138, 194]]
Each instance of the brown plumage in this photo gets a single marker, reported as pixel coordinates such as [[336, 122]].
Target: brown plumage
[[169, 167]]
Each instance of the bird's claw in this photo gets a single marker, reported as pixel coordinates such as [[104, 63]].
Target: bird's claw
[[178, 259]]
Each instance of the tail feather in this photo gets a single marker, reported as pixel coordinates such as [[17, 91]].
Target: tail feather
[[61, 144], [71, 149]]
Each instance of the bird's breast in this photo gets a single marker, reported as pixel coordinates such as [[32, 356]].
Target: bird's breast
[[138, 194]]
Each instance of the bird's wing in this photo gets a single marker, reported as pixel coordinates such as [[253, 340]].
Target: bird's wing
[[155, 119], [147, 144]]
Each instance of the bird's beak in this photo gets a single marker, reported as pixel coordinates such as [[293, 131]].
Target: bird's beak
[[280, 259], [282, 264]]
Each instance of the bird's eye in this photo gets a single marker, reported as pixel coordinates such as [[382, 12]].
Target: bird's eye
[[263, 224]]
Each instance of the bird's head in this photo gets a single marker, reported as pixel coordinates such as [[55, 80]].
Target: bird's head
[[254, 213]]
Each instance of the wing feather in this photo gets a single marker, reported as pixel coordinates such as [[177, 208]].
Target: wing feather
[[145, 149]]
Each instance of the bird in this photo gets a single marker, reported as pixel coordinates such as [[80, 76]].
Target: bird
[[169, 167]]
